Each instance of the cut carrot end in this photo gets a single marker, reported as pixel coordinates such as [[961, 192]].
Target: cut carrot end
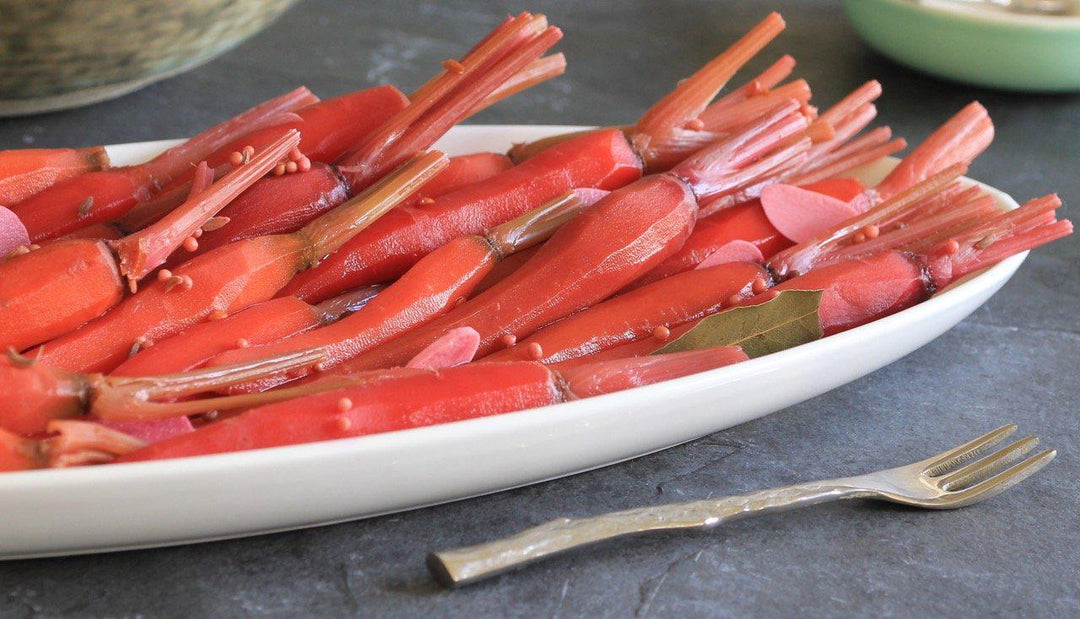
[[762, 84], [777, 72], [820, 131]]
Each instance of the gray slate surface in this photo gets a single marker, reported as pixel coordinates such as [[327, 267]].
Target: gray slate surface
[[1013, 360]]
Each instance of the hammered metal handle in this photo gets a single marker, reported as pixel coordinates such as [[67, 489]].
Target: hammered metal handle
[[956, 477], [465, 565]]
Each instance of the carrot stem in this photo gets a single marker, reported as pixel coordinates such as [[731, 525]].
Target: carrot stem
[[334, 308], [761, 84], [122, 398], [176, 160], [330, 231], [536, 72], [537, 225], [802, 257], [449, 97], [145, 250], [849, 162], [690, 98], [730, 117]]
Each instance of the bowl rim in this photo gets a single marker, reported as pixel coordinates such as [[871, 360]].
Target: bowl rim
[[943, 10]]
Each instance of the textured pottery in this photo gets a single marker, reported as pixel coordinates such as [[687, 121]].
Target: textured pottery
[[984, 47], [57, 54]]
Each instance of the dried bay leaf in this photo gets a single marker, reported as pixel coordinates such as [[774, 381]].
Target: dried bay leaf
[[789, 319]]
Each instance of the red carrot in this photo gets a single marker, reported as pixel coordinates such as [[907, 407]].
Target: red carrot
[[328, 128], [437, 283], [867, 280], [623, 236], [322, 189], [262, 323], [862, 289], [746, 222], [102, 196], [227, 279], [412, 398], [86, 273], [645, 312], [89, 281], [39, 395], [602, 160], [26, 172], [681, 122]]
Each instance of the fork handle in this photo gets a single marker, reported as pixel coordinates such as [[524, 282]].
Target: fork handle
[[470, 564]]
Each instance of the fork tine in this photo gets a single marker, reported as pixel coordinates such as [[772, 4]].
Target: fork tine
[[983, 468], [936, 465], [1006, 479]]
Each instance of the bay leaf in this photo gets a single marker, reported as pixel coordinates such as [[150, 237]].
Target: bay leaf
[[789, 319]]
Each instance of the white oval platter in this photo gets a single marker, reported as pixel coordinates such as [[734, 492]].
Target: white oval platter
[[94, 509]]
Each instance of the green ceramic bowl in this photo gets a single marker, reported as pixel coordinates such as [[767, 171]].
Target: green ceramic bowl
[[976, 46], [57, 54]]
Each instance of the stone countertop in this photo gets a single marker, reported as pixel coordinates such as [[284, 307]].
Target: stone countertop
[[1014, 360]]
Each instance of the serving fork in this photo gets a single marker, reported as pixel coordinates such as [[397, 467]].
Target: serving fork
[[955, 478]]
